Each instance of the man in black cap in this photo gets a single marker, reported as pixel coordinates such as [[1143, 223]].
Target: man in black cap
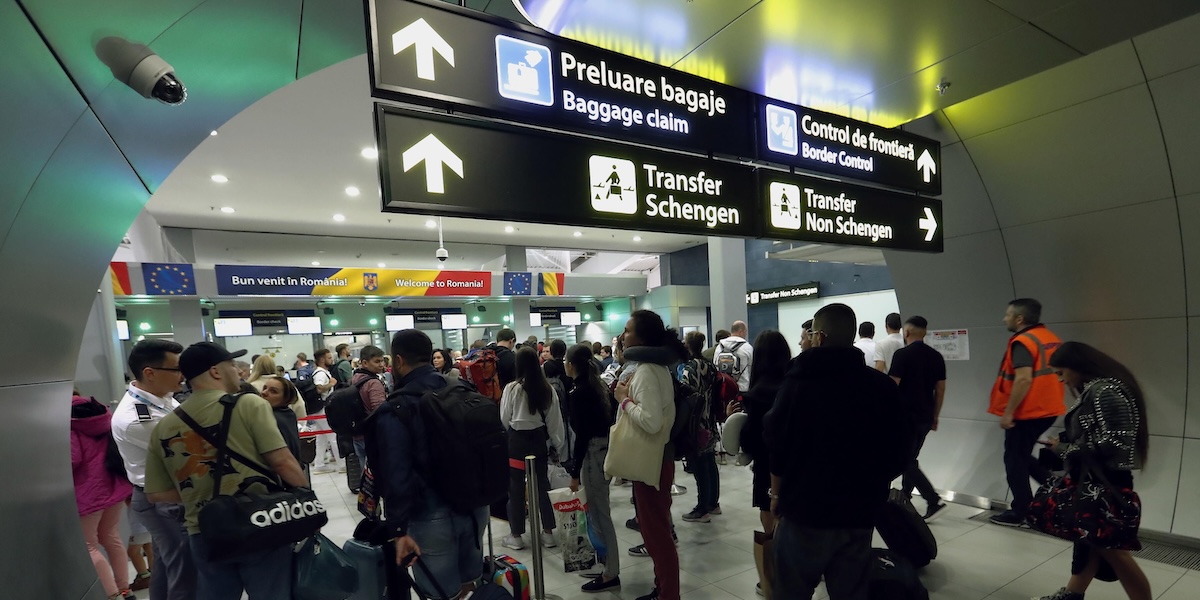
[[178, 469]]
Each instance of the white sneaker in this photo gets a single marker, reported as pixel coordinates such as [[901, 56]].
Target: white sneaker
[[548, 540], [323, 469], [513, 541]]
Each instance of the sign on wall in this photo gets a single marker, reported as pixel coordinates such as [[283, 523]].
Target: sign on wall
[[266, 318], [237, 280], [820, 141], [463, 167], [437, 54], [785, 293], [797, 207], [954, 344]]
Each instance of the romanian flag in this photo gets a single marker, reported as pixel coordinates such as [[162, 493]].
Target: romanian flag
[[551, 284], [118, 272]]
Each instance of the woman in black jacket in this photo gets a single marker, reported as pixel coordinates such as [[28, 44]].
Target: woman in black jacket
[[281, 394], [767, 369], [594, 412]]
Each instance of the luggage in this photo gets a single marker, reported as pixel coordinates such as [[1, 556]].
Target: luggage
[[482, 370], [904, 531], [509, 575], [372, 569], [893, 578], [353, 472], [322, 571], [345, 411]]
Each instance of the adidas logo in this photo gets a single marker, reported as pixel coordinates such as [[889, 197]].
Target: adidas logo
[[283, 512]]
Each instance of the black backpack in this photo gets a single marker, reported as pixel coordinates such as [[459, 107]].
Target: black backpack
[[336, 373], [689, 414], [468, 445], [344, 409], [313, 403]]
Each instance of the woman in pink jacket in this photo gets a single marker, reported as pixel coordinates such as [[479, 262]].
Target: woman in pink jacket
[[99, 493]]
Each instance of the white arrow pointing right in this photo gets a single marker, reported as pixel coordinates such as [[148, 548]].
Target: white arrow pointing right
[[427, 41], [926, 163], [928, 223], [435, 154]]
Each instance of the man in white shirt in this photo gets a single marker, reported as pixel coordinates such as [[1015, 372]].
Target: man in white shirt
[[866, 342], [885, 348], [324, 380], [738, 353], [155, 367]]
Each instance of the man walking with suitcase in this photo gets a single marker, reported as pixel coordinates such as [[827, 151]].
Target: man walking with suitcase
[[833, 425]]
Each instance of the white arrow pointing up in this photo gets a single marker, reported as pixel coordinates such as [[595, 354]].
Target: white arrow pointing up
[[929, 224], [427, 41], [435, 154], [924, 163]]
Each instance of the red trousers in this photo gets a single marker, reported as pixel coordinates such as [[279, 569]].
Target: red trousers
[[654, 519]]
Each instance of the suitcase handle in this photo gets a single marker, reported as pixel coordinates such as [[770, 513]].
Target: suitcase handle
[[409, 561]]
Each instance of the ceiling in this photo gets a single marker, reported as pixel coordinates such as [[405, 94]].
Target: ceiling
[[290, 156], [875, 60]]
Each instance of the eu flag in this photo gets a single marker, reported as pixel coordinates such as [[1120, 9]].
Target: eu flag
[[517, 283], [164, 279]]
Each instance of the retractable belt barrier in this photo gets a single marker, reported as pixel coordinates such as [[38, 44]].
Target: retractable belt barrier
[[307, 434]]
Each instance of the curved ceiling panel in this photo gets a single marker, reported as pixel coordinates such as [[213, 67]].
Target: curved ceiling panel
[[1103, 153], [968, 209], [1175, 98]]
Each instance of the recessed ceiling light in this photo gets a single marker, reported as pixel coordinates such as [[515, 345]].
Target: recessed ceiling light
[[578, 234], [637, 238], [370, 153], [220, 178], [339, 217], [316, 264], [431, 223], [352, 191], [509, 229], [212, 133], [381, 265], [227, 210]]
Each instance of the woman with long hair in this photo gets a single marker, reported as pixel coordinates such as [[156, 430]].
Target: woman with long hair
[[647, 399], [263, 369], [530, 410], [593, 413], [443, 361], [1106, 430], [769, 364], [700, 375], [281, 395]]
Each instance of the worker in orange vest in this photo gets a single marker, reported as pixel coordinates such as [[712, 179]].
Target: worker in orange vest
[[1027, 397]]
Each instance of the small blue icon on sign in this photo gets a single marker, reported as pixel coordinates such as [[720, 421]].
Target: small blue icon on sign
[[523, 71], [781, 130]]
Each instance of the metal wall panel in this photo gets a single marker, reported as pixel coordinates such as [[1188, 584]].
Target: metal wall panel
[[1110, 265], [1192, 426], [1155, 350], [934, 126], [1189, 222], [1175, 100], [1095, 24], [1187, 503], [1159, 484], [46, 556], [331, 31], [968, 210], [962, 286], [1104, 72], [966, 456], [969, 383], [1100, 154], [59, 248], [34, 116], [1171, 48]]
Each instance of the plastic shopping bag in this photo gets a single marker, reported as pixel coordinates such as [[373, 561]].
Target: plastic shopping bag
[[558, 476], [570, 517]]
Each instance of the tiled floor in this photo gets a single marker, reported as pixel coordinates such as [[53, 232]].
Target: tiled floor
[[975, 560]]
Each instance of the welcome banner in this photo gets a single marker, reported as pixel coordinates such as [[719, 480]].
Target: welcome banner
[[239, 280]]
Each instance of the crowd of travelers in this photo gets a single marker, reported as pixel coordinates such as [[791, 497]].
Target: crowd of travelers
[[847, 410]]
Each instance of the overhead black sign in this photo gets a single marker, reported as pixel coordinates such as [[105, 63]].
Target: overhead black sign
[[820, 141], [442, 55], [802, 291], [795, 207], [423, 315], [472, 168]]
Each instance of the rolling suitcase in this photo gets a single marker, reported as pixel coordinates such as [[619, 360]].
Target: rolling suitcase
[[893, 578], [372, 569], [904, 531]]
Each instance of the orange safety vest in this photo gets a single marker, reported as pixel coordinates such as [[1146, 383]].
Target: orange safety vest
[[1045, 397]]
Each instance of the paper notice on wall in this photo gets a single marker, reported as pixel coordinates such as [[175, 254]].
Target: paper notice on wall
[[952, 343]]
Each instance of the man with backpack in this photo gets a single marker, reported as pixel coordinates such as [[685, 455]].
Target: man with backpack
[[436, 476], [506, 360], [324, 383], [371, 392], [733, 355]]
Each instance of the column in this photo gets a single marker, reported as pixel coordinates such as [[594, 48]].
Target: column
[[187, 321], [727, 281], [516, 260]]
